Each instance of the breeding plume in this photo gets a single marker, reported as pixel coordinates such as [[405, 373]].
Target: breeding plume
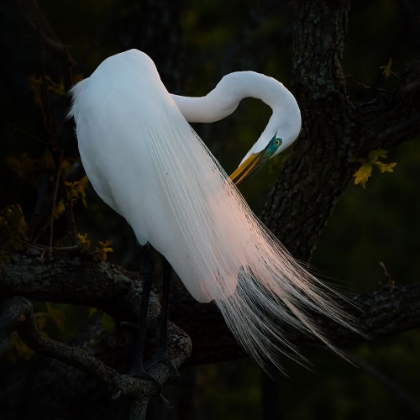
[[146, 162]]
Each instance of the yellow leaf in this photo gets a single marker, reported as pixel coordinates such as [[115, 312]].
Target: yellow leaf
[[386, 167], [105, 244], [41, 321], [365, 171], [362, 174], [80, 187], [67, 165], [59, 208], [58, 317], [13, 225], [77, 190], [104, 248], [22, 165], [108, 323], [92, 311], [21, 348], [57, 88], [387, 69], [35, 85], [374, 155], [390, 167], [84, 242]]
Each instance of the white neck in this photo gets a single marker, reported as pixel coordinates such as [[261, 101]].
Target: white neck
[[225, 97], [285, 121]]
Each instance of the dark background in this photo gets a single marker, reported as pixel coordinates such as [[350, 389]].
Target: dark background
[[194, 43]]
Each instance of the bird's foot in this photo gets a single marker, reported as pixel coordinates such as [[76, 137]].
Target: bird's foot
[[161, 357]]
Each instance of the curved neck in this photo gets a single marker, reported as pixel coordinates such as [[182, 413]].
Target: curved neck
[[225, 97]]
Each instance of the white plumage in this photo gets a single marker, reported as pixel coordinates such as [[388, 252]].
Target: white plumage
[[145, 161]]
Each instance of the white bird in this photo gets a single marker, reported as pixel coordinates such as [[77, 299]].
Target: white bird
[[146, 162]]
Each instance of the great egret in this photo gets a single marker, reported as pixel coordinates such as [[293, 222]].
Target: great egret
[[145, 161]]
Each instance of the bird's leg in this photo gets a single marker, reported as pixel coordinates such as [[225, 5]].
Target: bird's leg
[[160, 355], [146, 269]]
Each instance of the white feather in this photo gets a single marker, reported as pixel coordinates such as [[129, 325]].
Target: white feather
[[146, 162]]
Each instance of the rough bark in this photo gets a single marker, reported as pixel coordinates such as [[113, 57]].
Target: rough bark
[[389, 310], [334, 127], [97, 359]]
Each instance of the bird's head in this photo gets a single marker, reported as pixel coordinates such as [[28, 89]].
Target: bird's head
[[281, 131]]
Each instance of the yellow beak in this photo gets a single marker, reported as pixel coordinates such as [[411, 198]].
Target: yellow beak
[[247, 168]]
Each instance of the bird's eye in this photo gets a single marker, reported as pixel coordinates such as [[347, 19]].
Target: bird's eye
[[277, 142]]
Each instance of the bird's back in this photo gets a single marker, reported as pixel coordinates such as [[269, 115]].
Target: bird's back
[[145, 161]]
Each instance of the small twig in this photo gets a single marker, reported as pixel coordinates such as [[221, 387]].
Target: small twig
[[71, 223], [387, 281], [16, 128], [356, 82], [47, 118], [67, 248], [57, 182], [40, 247], [41, 231], [49, 39], [398, 129], [41, 192]]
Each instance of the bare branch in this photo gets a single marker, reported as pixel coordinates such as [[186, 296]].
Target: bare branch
[[48, 37], [75, 280], [387, 311], [390, 120], [19, 316]]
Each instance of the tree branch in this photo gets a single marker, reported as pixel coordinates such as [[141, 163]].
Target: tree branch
[[334, 128], [79, 281], [75, 280], [19, 316], [389, 120]]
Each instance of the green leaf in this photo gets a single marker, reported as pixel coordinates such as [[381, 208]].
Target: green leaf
[[21, 348], [92, 311], [41, 320], [108, 323], [58, 317], [374, 155]]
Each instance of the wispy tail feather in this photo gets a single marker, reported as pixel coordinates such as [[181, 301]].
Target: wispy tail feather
[[198, 220], [252, 278]]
